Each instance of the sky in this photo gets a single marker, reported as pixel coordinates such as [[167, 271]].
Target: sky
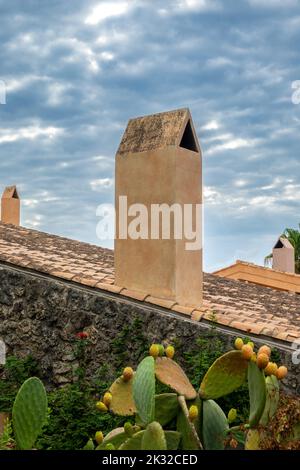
[[72, 74]]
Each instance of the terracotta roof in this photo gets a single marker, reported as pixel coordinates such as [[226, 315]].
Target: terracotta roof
[[155, 131], [238, 305]]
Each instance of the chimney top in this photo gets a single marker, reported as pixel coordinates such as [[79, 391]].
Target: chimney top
[[156, 131], [283, 242], [10, 192]]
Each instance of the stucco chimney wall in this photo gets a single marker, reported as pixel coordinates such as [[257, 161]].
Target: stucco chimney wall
[[284, 256], [10, 206]]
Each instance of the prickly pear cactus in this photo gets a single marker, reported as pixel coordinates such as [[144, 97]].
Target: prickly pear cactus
[[29, 413], [272, 399], [172, 439], [214, 426], [257, 393], [144, 390], [166, 407], [170, 373], [154, 437], [225, 375], [188, 429], [135, 442], [122, 402]]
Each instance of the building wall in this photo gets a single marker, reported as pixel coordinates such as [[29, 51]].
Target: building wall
[[263, 276], [40, 315]]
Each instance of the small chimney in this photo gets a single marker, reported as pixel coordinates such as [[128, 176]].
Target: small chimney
[[159, 165], [10, 206], [284, 256]]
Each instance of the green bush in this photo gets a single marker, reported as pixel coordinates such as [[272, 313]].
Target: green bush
[[12, 375], [74, 418]]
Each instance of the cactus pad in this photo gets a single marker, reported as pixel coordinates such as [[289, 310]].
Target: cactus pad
[[252, 440], [172, 439], [272, 399], [224, 376], [257, 393], [166, 407], [214, 426], [187, 431], [154, 437], [170, 373], [122, 402], [29, 413], [134, 442], [144, 390]]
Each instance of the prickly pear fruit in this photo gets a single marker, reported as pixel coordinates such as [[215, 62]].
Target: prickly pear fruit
[[154, 350], [110, 446], [264, 349], [129, 429], [232, 414], [107, 398], [251, 344], [170, 351], [99, 437], [262, 360], [239, 343], [253, 357], [101, 406], [281, 372], [161, 350], [127, 374], [193, 412], [247, 352], [271, 369]]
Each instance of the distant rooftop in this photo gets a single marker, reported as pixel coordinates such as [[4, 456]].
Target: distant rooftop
[[238, 305], [261, 275]]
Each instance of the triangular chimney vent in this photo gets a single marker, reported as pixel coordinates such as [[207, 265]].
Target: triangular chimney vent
[[188, 140]]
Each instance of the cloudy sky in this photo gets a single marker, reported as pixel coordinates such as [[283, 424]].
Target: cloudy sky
[[76, 71]]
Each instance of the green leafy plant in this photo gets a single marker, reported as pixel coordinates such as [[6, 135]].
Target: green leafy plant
[[74, 417], [6, 437], [12, 374]]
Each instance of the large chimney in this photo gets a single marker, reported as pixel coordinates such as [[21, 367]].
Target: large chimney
[[10, 206], [159, 162], [284, 256]]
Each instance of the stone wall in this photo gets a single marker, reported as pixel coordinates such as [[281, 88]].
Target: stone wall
[[40, 316]]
